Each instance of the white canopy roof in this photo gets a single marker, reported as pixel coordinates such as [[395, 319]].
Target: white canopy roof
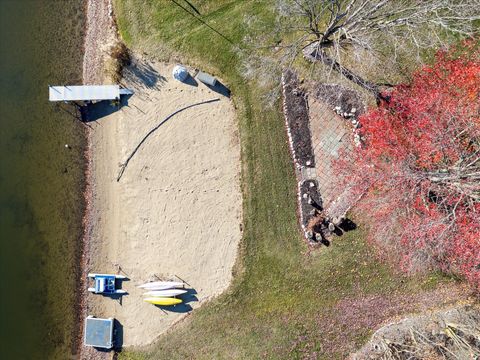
[[84, 92], [99, 332]]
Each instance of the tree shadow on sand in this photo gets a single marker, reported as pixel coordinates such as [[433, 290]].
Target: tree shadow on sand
[[141, 74]]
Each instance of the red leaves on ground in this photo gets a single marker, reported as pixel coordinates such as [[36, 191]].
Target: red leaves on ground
[[420, 161]]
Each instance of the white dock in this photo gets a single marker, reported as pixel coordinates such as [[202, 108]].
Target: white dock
[[86, 92]]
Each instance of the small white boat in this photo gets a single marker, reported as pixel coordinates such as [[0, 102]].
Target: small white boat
[[165, 293], [162, 285]]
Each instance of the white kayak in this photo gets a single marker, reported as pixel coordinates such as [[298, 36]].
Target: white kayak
[[161, 285], [166, 293]]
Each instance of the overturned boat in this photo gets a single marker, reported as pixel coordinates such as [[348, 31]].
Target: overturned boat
[[165, 293], [163, 301], [162, 285]]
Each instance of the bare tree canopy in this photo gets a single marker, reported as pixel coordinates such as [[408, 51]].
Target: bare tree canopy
[[331, 31]]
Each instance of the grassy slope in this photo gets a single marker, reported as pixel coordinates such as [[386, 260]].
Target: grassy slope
[[283, 293]]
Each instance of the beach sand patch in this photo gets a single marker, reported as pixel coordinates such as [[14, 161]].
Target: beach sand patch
[[176, 210]]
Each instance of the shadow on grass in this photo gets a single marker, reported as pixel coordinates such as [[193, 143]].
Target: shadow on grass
[[345, 226], [220, 88]]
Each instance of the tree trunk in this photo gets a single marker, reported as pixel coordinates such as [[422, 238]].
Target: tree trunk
[[345, 72]]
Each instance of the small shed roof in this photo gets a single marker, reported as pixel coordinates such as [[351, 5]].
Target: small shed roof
[[99, 332], [84, 92]]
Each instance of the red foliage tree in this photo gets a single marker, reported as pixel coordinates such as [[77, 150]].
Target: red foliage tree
[[420, 164]]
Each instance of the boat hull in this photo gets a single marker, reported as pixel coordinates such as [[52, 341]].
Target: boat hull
[[162, 285], [165, 293], [163, 301]]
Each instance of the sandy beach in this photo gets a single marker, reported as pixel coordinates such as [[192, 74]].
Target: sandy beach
[[100, 34], [176, 211]]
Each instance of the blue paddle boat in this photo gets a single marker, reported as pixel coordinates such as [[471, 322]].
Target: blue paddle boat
[[105, 284]]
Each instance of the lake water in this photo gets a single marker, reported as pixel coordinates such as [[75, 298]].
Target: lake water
[[41, 181]]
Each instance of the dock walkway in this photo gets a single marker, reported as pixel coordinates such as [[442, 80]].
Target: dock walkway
[[87, 92]]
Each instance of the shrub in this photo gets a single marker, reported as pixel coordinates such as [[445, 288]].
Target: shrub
[[420, 161]]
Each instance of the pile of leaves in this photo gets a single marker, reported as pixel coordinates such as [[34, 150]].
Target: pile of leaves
[[420, 161], [446, 334], [120, 57]]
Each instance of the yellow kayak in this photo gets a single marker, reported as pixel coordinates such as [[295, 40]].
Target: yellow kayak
[[162, 301]]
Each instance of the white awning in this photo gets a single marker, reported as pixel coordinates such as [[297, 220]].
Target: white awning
[[84, 92]]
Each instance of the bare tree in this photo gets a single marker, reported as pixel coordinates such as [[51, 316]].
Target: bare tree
[[334, 31]]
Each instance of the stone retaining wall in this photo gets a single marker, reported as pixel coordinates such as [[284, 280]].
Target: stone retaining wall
[[317, 136], [295, 109]]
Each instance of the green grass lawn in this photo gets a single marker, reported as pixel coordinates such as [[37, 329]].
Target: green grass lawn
[[285, 298]]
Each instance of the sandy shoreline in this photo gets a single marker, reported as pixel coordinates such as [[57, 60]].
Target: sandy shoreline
[[100, 29], [177, 209]]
